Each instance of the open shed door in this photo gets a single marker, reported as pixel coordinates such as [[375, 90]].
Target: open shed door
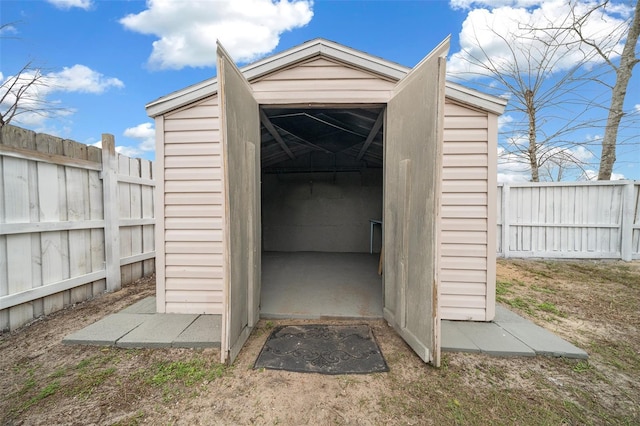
[[240, 131], [413, 163]]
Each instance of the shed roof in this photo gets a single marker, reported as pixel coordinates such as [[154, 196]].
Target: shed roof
[[317, 48]]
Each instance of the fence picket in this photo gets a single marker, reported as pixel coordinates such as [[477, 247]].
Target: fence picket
[[124, 201], [50, 241], [148, 231], [96, 208], [626, 221], [135, 199], [4, 280], [36, 249], [111, 213], [77, 193], [18, 255]]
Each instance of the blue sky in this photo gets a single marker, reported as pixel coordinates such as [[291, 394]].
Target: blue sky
[[107, 59]]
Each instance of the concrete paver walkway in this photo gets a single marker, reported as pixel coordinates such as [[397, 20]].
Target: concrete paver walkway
[[140, 326], [508, 334]]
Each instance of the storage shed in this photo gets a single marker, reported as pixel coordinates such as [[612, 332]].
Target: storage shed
[[326, 182]]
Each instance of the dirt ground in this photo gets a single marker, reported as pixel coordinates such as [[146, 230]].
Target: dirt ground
[[595, 305]]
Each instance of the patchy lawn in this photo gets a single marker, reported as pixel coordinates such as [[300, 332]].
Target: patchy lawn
[[595, 305]]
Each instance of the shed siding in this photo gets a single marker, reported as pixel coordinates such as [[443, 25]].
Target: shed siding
[[464, 254], [193, 212], [323, 81], [193, 182]]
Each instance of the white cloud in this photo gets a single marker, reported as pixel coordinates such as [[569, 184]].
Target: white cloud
[[511, 177], [7, 29], [593, 175], [504, 120], [582, 154], [577, 155], [145, 134], [129, 151], [187, 30], [469, 4], [68, 4], [512, 167], [82, 79], [518, 139], [589, 138], [36, 103], [501, 31]]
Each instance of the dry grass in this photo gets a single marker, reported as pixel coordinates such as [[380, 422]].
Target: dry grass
[[596, 305]]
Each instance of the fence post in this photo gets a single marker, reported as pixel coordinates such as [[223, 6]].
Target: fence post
[[110, 205], [626, 224], [505, 220]]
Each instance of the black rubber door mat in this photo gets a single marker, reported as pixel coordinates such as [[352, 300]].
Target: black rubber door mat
[[325, 349]]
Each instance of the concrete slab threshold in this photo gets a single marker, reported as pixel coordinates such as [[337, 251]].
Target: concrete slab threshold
[[138, 326]]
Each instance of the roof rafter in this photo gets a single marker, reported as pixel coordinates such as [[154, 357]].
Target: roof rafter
[[312, 145], [372, 134], [269, 126]]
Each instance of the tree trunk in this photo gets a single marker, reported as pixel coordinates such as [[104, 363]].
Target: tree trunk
[[623, 74], [532, 151]]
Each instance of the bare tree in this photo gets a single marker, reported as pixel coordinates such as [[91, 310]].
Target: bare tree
[[561, 162], [628, 60], [21, 92], [536, 78], [606, 50], [16, 94], [547, 102]]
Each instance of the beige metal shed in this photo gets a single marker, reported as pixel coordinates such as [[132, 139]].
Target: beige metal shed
[[308, 151]]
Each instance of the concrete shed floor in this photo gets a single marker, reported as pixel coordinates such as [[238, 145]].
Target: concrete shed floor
[[312, 285], [299, 292]]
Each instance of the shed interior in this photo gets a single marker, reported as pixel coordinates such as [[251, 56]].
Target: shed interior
[[322, 186]]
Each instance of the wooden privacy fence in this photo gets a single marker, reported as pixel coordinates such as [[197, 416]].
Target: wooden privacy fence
[[569, 220], [75, 221]]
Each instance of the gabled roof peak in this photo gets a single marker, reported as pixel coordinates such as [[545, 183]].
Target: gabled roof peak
[[331, 49], [318, 47]]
